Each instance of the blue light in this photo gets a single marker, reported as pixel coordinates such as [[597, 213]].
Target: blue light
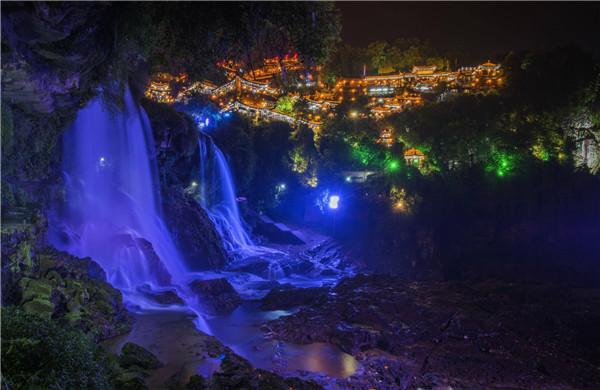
[[227, 114], [206, 121], [334, 201]]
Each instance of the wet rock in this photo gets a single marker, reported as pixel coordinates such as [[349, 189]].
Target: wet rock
[[135, 355], [131, 380], [237, 373], [168, 297], [287, 297], [196, 382], [217, 295], [437, 335], [263, 266], [160, 272], [276, 232], [193, 231]]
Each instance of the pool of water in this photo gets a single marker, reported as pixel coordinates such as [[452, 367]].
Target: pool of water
[[241, 331], [173, 337]]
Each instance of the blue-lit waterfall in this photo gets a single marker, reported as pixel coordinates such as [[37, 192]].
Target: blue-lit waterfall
[[112, 208], [217, 196]]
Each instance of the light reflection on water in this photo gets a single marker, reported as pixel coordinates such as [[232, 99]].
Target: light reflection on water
[[172, 336], [241, 331]]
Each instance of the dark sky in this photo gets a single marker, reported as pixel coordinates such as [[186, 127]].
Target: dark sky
[[475, 31]]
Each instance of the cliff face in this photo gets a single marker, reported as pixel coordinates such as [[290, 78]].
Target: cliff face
[[52, 62], [55, 57]]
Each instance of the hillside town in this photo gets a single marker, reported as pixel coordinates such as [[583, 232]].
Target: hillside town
[[256, 92]]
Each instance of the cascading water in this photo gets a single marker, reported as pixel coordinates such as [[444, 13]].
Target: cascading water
[[112, 210], [217, 196]]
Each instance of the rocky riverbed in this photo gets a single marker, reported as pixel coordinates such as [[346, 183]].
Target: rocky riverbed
[[452, 335]]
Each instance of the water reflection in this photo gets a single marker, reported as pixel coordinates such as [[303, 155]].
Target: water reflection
[[240, 330], [174, 339]]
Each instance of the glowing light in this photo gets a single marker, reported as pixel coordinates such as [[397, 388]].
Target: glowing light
[[393, 165], [354, 114], [348, 179], [194, 184], [334, 201]]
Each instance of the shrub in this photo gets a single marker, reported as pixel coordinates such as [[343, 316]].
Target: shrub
[[39, 354]]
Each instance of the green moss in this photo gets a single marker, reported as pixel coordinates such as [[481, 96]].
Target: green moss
[[21, 260], [35, 289], [39, 306]]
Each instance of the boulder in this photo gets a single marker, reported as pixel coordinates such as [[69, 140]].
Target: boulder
[[193, 231], [131, 380], [39, 306], [136, 355], [287, 297], [168, 297], [159, 271], [217, 295], [196, 382]]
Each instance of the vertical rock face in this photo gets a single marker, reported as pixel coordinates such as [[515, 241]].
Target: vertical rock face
[[193, 231], [51, 63]]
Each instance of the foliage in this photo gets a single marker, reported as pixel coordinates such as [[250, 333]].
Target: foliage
[[271, 144], [285, 104], [345, 61], [38, 353], [304, 156], [402, 55], [276, 29]]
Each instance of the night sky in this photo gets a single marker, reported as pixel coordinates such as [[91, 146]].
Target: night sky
[[474, 31]]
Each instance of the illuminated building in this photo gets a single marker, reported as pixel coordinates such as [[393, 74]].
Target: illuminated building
[[386, 138], [414, 157]]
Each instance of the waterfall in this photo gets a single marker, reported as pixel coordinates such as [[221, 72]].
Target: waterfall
[[112, 210], [217, 196]]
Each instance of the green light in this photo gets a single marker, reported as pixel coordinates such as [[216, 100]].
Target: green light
[[393, 165], [362, 153], [501, 163]]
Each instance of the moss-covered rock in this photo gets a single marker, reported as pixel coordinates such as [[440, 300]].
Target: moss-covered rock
[[135, 355], [54, 284], [131, 380], [35, 289], [39, 306]]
